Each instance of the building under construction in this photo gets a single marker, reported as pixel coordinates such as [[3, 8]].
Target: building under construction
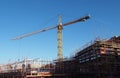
[[99, 59]]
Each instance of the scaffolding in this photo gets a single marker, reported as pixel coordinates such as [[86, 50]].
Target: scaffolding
[[97, 59], [27, 68], [101, 59]]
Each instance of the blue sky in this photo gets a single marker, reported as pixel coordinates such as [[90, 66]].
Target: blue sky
[[23, 16]]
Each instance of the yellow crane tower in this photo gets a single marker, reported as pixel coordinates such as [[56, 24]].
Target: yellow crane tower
[[59, 33]]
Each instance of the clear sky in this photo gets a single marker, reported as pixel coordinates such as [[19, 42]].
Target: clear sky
[[23, 16]]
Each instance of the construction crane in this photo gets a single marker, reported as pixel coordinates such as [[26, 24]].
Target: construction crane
[[59, 33]]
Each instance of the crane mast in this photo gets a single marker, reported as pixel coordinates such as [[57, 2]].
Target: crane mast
[[59, 39], [59, 33]]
